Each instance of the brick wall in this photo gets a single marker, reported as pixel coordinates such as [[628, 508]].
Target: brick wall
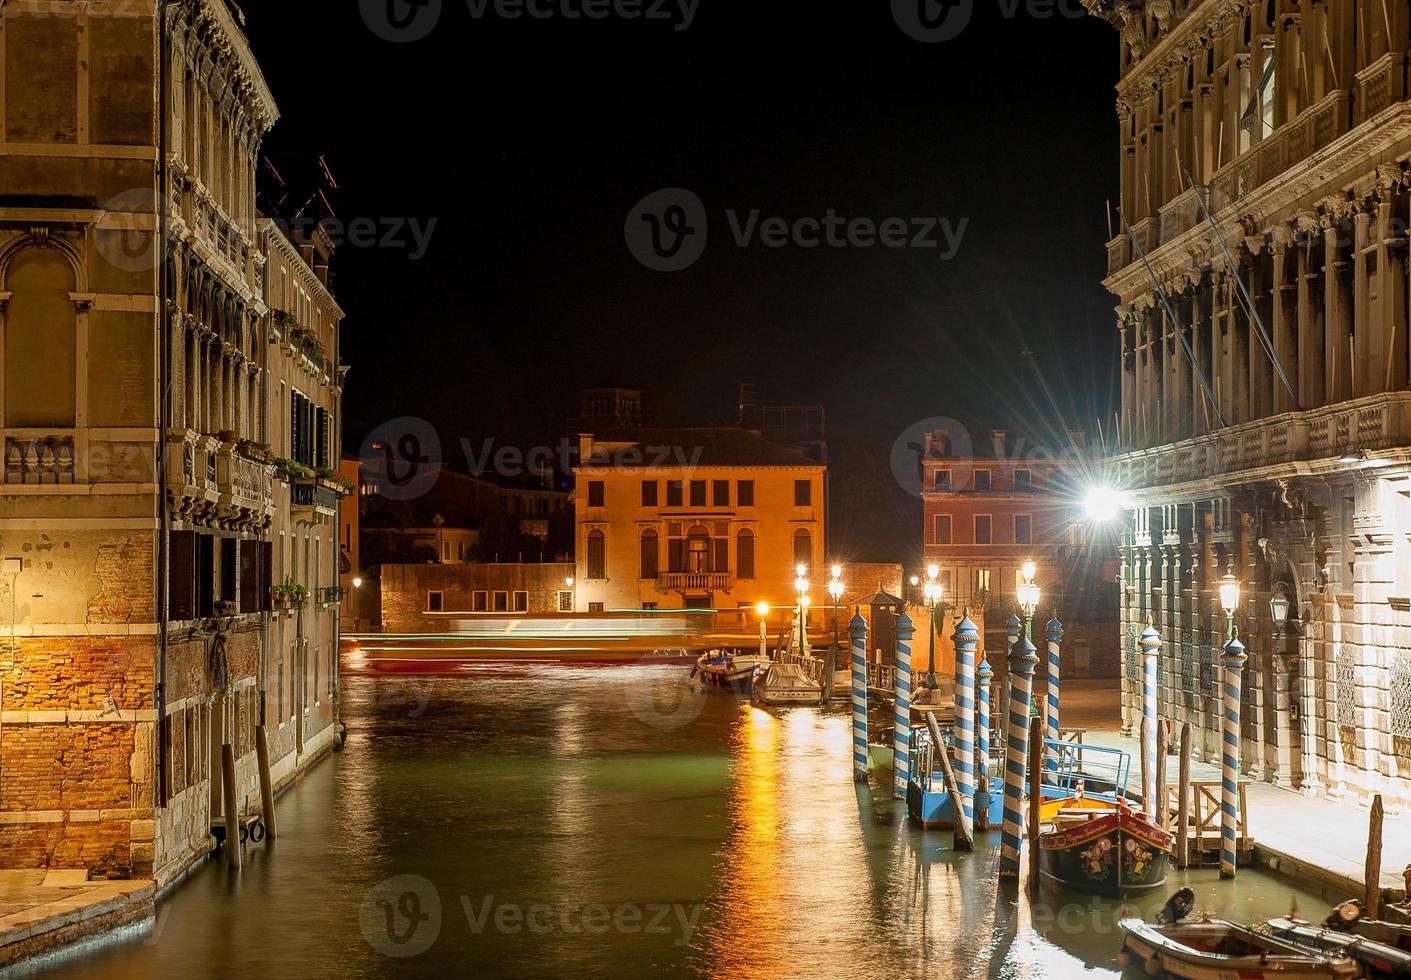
[[405, 589]]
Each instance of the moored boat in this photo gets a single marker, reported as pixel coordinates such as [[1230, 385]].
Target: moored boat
[[791, 679], [1350, 916], [723, 669], [1218, 950], [1103, 848], [1379, 960]]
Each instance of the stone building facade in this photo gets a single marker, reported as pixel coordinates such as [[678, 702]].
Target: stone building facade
[[137, 505], [421, 598], [1265, 412]]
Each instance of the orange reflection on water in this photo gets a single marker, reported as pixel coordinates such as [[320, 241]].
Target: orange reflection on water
[[751, 898]]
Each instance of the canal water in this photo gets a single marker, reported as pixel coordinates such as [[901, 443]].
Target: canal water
[[617, 822]]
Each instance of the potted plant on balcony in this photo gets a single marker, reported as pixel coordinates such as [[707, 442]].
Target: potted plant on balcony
[[329, 478], [292, 471], [290, 594]]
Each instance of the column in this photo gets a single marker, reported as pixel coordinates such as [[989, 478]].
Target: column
[[984, 674], [1312, 346], [1311, 785], [1151, 648], [1286, 753]]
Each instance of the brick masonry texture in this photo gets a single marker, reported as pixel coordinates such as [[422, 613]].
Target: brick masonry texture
[[127, 580], [78, 673]]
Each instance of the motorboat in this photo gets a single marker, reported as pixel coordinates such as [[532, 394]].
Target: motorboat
[[1214, 949], [1379, 960], [724, 670]]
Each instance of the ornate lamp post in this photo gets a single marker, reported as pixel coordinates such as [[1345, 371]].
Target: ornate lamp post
[[835, 589], [1230, 601], [762, 608], [801, 586], [1028, 594], [932, 594]]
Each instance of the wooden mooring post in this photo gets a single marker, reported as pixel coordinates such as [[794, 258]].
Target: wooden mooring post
[[1183, 801], [1036, 784], [1372, 898], [231, 799], [1161, 801], [1147, 803], [266, 782], [964, 841]]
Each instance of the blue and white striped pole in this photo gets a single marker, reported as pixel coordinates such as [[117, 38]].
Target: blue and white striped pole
[[1233, 661], [1012, 629], [901, 726], [1022, 660], [1055, 643], [858, 629], [984, 674], [966, 638], [1151, 648]]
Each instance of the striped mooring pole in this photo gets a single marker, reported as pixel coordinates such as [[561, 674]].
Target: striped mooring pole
[[966, 638], [1022, 660], [1151, 648], [1233, 661], [1012, 629], [984, 674], [901, 749], [858, 630], [1055, 644]]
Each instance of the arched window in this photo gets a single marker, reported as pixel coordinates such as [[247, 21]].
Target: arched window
[[803, 547], [698, 549], [651, 555], [744, 554], [41, 339], [597, 555]]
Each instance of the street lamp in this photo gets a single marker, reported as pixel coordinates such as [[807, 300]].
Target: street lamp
[[835, 589], [801, 586], [1028, 594], [762, 608], [1230, 601], [358, 582], [932, 594], [1279, 608]]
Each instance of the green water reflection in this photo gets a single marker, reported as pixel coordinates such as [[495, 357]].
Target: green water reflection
[[612, 822]]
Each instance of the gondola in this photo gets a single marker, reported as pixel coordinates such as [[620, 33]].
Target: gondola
[[1217, 950], [1379, 960], [1103, 848], [724, 670]]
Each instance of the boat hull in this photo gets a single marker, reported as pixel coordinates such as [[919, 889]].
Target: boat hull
[[1219, 950], [1115, 854], [1381, 961], [726, 673]]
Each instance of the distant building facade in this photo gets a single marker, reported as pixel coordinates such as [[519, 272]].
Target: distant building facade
[[1266, 418], [991, 502], [695, 518], [421, 598]]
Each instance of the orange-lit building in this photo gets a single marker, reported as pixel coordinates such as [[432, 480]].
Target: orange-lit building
[[712, 517]]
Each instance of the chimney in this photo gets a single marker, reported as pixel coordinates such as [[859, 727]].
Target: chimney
[[749, 407]]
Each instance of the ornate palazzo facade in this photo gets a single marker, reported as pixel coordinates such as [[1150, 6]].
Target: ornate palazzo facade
[[1265, 405], [137, 507]]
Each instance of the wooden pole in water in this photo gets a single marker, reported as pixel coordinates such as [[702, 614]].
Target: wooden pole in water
[[966, 638], [858, 630], [266, 783], [983, 675], [963, 839], [1054, 732], [1233, 662], [1036, 784], [1161, 800], [1022, 659], [232, 805], [1151, 650], [1372, 899], [1183, 803], [905, 629], [1146, 803]]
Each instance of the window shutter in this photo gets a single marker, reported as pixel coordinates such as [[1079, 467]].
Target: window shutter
[[205, 575], [181, 576], [722, 555]]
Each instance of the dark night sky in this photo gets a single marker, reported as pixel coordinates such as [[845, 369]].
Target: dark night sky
[[530, 141]]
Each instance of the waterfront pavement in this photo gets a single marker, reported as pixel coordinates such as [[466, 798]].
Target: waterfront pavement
[[43, 911], [1319, 841]]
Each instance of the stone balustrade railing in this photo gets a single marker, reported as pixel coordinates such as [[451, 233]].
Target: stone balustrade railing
[[39, 459], [1371, 424]]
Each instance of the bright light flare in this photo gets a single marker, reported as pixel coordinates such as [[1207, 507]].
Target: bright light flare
[[1104, 504]]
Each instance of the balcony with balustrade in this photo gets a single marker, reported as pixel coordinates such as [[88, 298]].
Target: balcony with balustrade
[[312, 502], [697, 581], [38, 457], [244, 481]]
